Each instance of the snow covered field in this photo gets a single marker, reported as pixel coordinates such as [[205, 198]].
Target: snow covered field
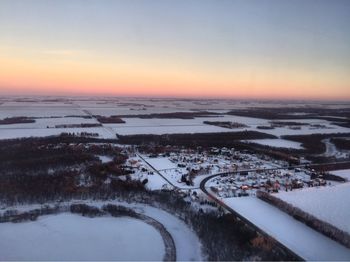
[[304, 241], [132, 106], [170, 126], [188, 247], [345, 173], [330, 204], [37, 110], [73, 237], [123, 238], [51, 123], [277, 143], [160, 163], [8, 133]]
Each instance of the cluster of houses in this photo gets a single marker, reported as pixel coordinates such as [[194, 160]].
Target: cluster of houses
[[271, 181], [243, 173]]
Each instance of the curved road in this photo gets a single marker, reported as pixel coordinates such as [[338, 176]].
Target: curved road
[[240, 217], [232, 211]]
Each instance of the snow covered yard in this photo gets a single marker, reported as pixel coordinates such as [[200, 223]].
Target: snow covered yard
[[330, 204], [144, 171], [304, 241], [160, 163], [73, 237]]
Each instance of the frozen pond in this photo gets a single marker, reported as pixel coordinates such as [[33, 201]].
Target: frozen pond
[[73, 237]]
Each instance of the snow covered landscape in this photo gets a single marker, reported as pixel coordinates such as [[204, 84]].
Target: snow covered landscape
[[98, 238], [73, 237], [342, 173], [174, 130], [333, 200], [308, 243], [49, 114], [186, 155]]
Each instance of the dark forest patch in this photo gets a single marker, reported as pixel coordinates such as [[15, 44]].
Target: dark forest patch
[[226, 139]]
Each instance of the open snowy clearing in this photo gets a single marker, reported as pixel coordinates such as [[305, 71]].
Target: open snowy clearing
[[10, 133], [345, 173], [304, 241], [109, 110], [277, 143], [188, 247], [73, 237], [51, 123], [160, 163], [160, 130], [38, 110], [330, 204], [156, 182], [134, 126]]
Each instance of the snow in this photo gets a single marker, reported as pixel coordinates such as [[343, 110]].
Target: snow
[[121, 106], [170, 171], [105, 159], [306, 130], [37, 110], [73, 237], [160, 163], [10, 133], [51, 122], [277, 143], [160, 130], [332, 151], [345, 173], [304, 241], [156, 182], [330, 204], [171, 126], [188, 247]]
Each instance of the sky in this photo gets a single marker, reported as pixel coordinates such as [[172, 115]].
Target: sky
[[269, 49]]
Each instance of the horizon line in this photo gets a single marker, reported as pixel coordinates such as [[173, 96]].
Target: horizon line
[[104, 96]]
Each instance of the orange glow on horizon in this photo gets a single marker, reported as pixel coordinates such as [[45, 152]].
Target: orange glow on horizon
[[68, 77]]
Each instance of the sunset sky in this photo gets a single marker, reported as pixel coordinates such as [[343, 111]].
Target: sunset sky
[[185, 48]]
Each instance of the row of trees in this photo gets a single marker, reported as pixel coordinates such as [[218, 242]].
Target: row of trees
[[310, 220], [36, 170]]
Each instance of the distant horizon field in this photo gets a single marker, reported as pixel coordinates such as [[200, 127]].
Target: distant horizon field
[[49, 111]]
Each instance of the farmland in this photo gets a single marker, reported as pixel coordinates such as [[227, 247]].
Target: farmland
[[194, 163]]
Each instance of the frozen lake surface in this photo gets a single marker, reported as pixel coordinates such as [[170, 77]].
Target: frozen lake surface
[[73, 237]]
